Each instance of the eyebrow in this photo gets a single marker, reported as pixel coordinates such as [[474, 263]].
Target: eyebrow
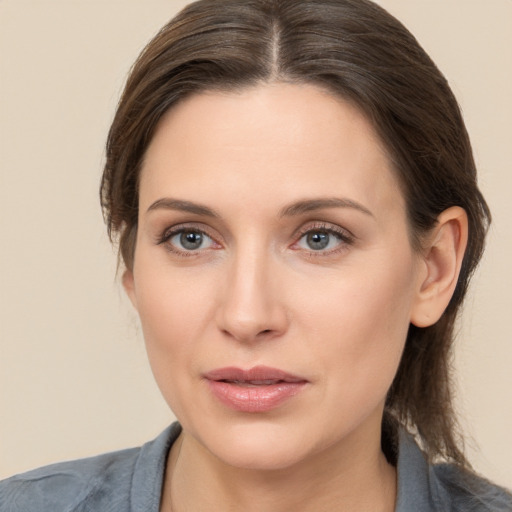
[[183, 206], [294, 209], [310, 205]]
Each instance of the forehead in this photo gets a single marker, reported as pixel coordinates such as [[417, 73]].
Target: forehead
[[266, 143]]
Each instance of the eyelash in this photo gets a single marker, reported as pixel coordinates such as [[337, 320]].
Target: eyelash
[[168, 234], [344, 236]]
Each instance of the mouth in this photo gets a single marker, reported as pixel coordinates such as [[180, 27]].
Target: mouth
[[258, 389]]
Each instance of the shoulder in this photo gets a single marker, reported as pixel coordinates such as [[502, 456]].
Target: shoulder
[[425, 487], [467, 492], [112, 481], [66, 485]]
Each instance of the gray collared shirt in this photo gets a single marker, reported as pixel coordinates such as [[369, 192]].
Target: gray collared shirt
[[131, 481]]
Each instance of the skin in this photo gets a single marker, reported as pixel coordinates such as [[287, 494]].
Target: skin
[[255, 293]]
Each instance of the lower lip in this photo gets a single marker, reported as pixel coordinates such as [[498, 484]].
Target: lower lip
[[254, 398]]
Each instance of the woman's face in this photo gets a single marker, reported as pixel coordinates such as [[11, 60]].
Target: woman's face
[[273, 274]]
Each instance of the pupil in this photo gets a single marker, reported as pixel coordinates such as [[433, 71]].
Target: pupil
[[191, 240], [318, 240]]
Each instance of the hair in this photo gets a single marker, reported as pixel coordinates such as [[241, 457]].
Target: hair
[[358, 52]]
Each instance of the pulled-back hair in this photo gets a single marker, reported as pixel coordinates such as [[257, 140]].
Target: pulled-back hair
[[358, 52]]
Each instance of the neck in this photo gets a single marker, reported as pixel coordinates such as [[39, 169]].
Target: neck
[[353, 477]]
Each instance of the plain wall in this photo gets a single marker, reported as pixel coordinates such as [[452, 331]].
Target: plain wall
[[74, 380]]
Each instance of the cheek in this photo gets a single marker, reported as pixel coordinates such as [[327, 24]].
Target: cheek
[[358, 324], [172, 301], [175, 308]]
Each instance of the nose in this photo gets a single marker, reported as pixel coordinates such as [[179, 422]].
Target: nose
[[251, 305]]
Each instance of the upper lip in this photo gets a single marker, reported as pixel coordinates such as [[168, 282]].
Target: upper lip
[[257, 374]]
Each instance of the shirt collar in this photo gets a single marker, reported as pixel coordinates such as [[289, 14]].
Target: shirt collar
[[413, 492], [414, 486], [149, 471]]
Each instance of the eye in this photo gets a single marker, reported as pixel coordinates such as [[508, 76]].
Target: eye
[[323, 239], [319, 240], [185, 241], [190, 240]]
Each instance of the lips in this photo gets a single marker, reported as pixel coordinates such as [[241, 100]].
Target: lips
[[258, 389]]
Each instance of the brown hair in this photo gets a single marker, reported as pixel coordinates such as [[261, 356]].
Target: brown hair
[[359, 52]]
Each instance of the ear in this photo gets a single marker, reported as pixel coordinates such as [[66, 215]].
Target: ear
[[129, 286], [442, 259]]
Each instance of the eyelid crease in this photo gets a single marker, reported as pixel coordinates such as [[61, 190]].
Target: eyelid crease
[[330, 227]]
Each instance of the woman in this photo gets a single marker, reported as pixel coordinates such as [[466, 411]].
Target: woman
[[296, 204]]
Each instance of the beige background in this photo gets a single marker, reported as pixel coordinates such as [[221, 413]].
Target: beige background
[[73, 375]]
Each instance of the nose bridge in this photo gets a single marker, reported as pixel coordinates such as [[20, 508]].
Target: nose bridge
[[251, 306]]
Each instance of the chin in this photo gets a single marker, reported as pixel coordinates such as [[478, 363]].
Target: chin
[[264, 456], [257, 445]]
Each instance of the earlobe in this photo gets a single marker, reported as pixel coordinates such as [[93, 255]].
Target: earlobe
[[442, 259], [129, 286]]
